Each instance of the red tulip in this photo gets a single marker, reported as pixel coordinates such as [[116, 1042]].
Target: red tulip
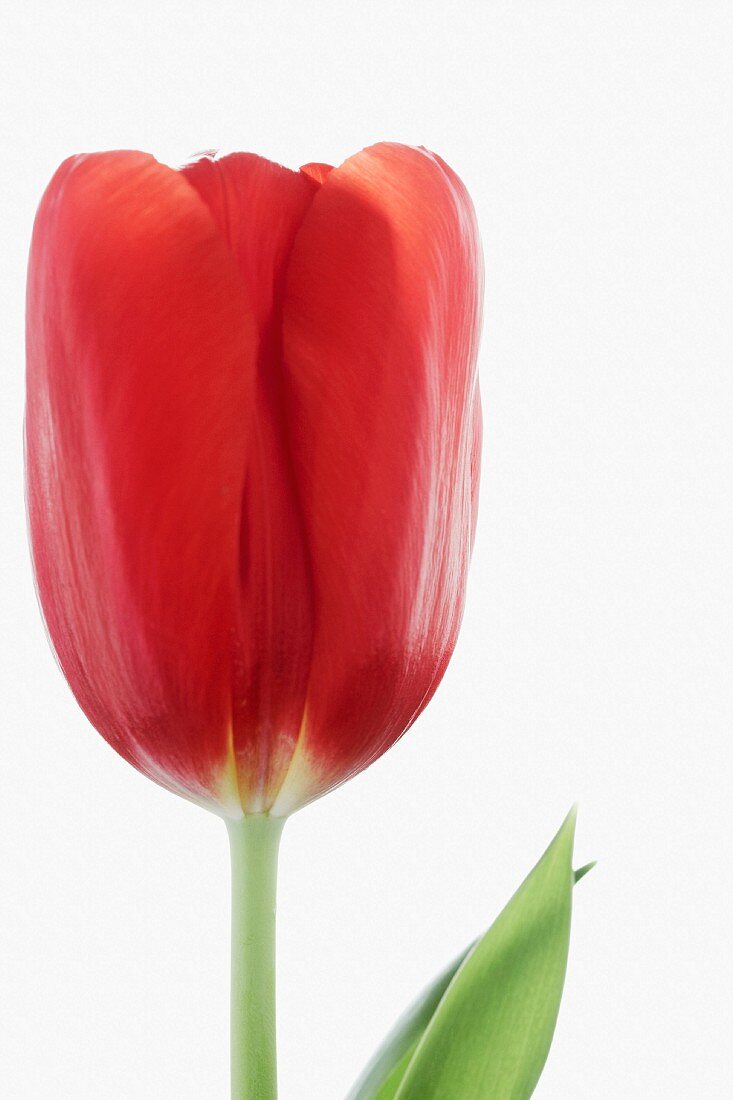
[[253, 434]]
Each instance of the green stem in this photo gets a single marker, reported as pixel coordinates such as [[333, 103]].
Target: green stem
[[254, 842]]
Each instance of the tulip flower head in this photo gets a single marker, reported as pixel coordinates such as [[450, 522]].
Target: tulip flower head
[[253, 433]]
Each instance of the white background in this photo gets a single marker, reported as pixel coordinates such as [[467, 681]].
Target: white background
[[595, 659]]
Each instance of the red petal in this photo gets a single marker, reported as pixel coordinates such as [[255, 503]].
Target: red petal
[[381, 332], [259, 207], [140, 372], [317, 171]]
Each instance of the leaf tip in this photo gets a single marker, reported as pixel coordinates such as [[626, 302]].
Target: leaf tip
[[583, 871], [568, 825]]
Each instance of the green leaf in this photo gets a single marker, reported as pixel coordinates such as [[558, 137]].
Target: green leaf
[[382, 1076], [487, 1034]]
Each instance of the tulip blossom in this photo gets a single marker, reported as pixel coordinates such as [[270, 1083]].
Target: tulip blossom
[[253, 436], [253, 433]]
